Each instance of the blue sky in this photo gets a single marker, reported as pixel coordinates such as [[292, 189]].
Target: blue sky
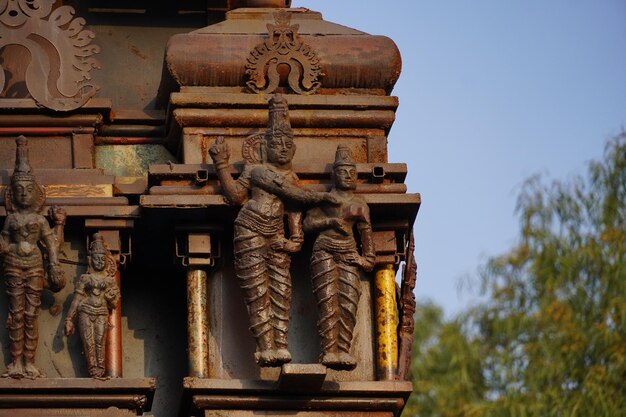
[[491, 92]]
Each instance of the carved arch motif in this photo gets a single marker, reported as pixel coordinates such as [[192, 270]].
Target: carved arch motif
[[283, 47], [57, 76]]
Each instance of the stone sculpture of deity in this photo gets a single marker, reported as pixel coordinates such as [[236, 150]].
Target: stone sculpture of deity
[[95, 296], [270, 197], [336, 261], [24, 235]]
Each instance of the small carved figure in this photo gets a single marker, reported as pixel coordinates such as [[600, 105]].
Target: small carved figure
[[24, 229], [96, 294], [268, 192], [406, 307], [335, 262]]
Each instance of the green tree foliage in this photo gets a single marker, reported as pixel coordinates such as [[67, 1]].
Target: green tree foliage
[[446, 367], [550, 337]]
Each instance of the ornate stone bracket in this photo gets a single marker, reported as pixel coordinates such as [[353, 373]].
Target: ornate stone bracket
[[283, 48], [60, 53]]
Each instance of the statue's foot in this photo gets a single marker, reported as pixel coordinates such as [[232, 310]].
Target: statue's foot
[[272, 357], [330, 359], [348, 362], [283, 356], [97, 372], [32, 372], [14, 370], [339, 361]]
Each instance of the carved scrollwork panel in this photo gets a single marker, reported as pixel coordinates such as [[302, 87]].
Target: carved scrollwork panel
[[57, 75]]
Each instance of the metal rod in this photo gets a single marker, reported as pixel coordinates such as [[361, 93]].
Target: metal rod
[[297, 402], [83, 201], [132, 130], [71, 401], [197, 322], [44, 131], [113, 347], [103, 140], [386, 322], [216, 189], [36, 120]]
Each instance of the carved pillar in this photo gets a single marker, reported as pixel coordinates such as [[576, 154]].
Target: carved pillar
[[197, 322], [386, 323], [113, 347], [195, 249]]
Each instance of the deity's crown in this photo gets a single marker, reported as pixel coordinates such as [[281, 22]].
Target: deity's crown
[[278, 120], [343, 156], [22, 171], [98, 245]]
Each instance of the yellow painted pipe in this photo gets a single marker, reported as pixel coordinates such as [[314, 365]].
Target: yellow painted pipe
[[386, 322]]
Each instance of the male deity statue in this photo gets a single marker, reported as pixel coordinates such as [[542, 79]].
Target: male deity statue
[[336, 261], [95, 296], [269, 193], [24, 268]]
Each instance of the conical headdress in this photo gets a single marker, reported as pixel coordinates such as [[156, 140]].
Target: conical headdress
[[22, 171], [278, 120], [97, 245], [343, 156]]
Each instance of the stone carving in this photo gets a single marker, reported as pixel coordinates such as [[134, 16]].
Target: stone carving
[[24, 264], [268, 192], [96, 294], [336, 261], [285, 48], [58, 46], [407, 306]]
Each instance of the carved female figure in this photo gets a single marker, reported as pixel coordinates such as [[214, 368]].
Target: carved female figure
[[335, 262], [269, 193], [24, 274], [96, 294]]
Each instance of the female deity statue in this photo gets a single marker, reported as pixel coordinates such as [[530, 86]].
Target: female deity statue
[[335, 262], [96, 294], [25, 232]]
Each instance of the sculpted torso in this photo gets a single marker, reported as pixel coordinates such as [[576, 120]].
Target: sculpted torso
[[263, 202], [349, 210], [24, 230]]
